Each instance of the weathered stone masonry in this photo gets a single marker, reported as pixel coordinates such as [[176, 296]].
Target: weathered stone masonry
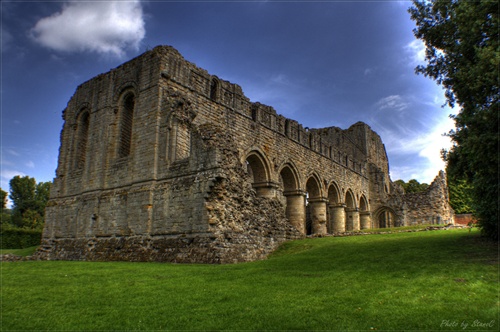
[[161, 161]]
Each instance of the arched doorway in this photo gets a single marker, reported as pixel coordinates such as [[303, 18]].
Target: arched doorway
[[364, 213], [352, 212], [385, 218], [316, 207], [294, 197], [336, 210]]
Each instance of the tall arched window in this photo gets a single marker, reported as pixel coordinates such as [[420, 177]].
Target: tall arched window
[[82, 139], [214, 89], [127, 116]]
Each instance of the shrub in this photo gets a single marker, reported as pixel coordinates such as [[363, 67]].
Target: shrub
[[18, 238]]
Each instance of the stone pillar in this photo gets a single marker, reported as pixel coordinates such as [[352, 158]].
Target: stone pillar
[[296, 209], [337, 218], [265, 189], [365, 220], [352, 223], [318, 215]]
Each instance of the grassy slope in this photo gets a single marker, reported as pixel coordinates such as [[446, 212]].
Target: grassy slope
[[412, 281]]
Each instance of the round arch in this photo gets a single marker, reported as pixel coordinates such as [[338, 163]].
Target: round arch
[[123, 89], [257, 167], [334, 194], [289, 178], [292, 197], [365, 221], [384, 217], [350, 199], [363, 204], [313, 186]]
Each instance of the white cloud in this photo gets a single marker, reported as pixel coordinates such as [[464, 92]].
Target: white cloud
[[394, 102], [414, 136], [6, 175], [30, 164], [425, 144], [102, 27], [416, 51]]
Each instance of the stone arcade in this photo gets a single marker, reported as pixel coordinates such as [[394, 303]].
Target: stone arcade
[[161, 161]]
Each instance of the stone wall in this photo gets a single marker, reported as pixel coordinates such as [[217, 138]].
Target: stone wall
[[430, 206], [162, 161]]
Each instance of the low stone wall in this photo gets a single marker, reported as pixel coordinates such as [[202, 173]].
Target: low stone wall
[[464, 219]]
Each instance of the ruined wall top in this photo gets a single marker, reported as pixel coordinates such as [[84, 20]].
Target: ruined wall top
[[354, 148]]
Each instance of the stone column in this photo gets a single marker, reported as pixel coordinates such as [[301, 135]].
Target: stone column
[[352, 219], [365, 220], [265, 189], [296, 209], [337, 218], [318, 215]]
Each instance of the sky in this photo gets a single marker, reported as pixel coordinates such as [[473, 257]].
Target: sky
[[322, 63]]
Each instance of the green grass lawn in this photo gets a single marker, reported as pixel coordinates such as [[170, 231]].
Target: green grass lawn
[[432, 280], [20, 252]]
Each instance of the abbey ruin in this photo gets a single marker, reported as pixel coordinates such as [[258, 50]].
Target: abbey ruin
[[161, 161]]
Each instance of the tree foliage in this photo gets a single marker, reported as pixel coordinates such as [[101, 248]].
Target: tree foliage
[[460, 195], [3, 195], [28, 201], [5, 216], [412, 186], [462, 54]]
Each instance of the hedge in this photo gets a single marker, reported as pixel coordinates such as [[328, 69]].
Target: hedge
[[18, 238]]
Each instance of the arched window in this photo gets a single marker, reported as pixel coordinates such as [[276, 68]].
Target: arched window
[[82, 139], [126, 121], [214, 89]]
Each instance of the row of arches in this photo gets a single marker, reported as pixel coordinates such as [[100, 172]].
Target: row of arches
[[313, 208]]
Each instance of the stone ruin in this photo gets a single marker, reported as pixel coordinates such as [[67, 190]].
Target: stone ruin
[[161, 161]]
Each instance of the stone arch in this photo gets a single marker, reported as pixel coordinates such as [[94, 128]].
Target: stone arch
[[350, 200], [351, 211], [257, 168], [289, 178], [363, 204], [313, 187], [316, 206], [385, 217], [336, 211], [334, 194], [126, 120], [364, 213], [82, 136], [294, 198]]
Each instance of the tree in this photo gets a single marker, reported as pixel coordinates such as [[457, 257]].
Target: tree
[[462, 55], [460, 195], [413, 186], [3, 195], [5, 216], [28, 201]]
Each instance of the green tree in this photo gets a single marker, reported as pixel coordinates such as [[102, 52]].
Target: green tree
[[460, 195], [3, 195], [29, 200], [413, 186], [5, 216], [463, 55]]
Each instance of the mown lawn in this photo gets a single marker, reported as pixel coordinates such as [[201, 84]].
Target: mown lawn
[[431, 280]]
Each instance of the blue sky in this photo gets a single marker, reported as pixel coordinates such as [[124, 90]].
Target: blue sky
[[322, 63]]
